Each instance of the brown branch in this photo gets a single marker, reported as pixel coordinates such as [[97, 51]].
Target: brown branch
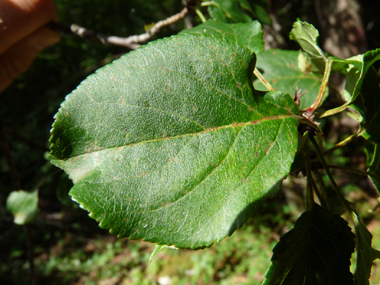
[[131, 42]]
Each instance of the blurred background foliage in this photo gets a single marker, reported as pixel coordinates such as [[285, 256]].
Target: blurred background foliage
[[70, 248]]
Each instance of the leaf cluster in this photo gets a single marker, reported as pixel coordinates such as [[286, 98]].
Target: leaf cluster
[[180, 142]]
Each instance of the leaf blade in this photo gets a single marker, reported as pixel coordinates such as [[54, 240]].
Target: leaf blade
[[248, 35], [306, 36], [316, 251], [365, 253], [281, 71], [192, 175], [23, 205]]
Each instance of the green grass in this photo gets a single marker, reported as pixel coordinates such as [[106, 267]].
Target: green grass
[[242, 258], [83, 255]]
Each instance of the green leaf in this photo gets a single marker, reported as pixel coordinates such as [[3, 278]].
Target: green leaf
[[316, 251], [363, 85], [230, 11], [359, 66], [368, 106], [281, 71], [374, 168], [306, 36], [259, 11], [249, 35], [366, 254], [23, 205], [157, 249], [171, 143]]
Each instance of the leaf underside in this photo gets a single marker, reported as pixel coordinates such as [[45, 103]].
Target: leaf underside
[[171, 144]]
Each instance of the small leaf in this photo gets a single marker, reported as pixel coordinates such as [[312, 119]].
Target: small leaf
[[23, 205], [363, 87], [368, 106], [316, 251], [306, 36], [282, 72], [366, 254], [230, 11], [249, 35], [374, 168], [361, 65], [157, 249], [171, 144]]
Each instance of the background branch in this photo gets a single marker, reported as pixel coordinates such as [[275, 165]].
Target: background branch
[[131, 42]]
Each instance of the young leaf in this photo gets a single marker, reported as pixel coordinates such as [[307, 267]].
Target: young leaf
[[230, 11], [171, 143], [281, 71], [363, 85], [368, 106], [316, 251], [249, 35], [366, 254], [157, 249], [357, 71], [306, 36], [374, 168], [23, 205]]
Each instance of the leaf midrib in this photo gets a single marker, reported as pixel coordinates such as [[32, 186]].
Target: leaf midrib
[[233, 125]]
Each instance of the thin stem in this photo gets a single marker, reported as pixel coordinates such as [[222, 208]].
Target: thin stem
[[43, 180], [324, 197], [356, 171], [309, 178], [322, 89], [30, 254], [258, 74], [325, 166], [342, 143], [317, 192], [209, 3], [200, 15], [131, 42], [333, 111]]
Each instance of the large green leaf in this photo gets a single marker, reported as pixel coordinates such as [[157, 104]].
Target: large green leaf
[[316, 251], [366, 254], [171, 143], [239, 11], [281, 71], [23, 205], [248, 35]]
